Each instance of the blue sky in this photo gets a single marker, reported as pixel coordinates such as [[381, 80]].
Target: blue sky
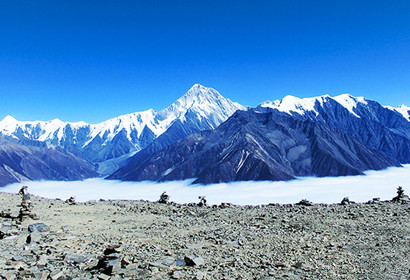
[[93, 60]]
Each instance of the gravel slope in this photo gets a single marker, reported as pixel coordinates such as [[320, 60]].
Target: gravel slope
[[148, 240]]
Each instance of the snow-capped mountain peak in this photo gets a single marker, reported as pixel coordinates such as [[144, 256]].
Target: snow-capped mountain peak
[[350, 102], [8, 119], [294, 104], [291, 104], [204, 102], [197, 95]]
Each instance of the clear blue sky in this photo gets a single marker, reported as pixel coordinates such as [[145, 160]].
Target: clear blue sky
[[92, 60]]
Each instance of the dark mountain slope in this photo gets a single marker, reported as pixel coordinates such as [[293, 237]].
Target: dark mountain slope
[[259, 144], [34, 161], [376, 126]]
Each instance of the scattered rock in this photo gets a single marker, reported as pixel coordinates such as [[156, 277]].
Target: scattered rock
[[322, 241], [42, 261], [191, 261], [180, 262], [177, 274], [305, 202], [6, 214], [103, 277], [110, 263], [55, 275], [34, 237], [298, 265], [74, 258], [39, 227]]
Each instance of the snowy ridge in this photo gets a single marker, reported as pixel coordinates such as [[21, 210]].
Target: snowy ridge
[[37, 130], [107, 130], [402, 109], [205, 102], [291, 104]]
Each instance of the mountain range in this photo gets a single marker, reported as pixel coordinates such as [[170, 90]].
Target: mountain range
[[211, 139], [281, 140], [108, 144]]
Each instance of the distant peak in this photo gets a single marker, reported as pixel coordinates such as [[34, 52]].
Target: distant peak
[[200, 93], [290, 98], [9, 119], [56, 120], [345, 95], [202, 99], [198, 89], [197, 86]]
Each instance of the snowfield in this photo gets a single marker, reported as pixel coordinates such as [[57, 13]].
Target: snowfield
[[380, 184]]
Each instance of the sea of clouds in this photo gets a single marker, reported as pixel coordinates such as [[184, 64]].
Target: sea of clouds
[[382, 184]]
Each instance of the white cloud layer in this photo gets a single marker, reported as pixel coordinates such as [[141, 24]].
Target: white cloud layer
[[381, 184]]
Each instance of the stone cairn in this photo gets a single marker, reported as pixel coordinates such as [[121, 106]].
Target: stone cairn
[[110, 263], [25, 206], [71, 201], [164, 198], [202, 201], [401, 197]]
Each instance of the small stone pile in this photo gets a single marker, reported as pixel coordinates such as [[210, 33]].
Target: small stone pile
[[401, 197], [202, 201], [164, 198], [71, 200], [110, 263], [25, 210]]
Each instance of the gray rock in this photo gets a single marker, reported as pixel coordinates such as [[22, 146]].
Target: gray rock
[[192, 261], [55, 275], [103, 277], [17, 258], [305, 202], [34, 237], [42, 261], [180, 262], [40, 227], [177, 274], [74, 258]]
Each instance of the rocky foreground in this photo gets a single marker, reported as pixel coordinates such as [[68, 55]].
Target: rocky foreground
[[146, 240]]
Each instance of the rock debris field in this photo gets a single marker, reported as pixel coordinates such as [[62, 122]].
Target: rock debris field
[[147, 240]]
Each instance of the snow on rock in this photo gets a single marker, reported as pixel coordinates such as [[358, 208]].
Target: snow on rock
[[37, 130], [291, 104], [350, 102], [403, 110], [294, 104]]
